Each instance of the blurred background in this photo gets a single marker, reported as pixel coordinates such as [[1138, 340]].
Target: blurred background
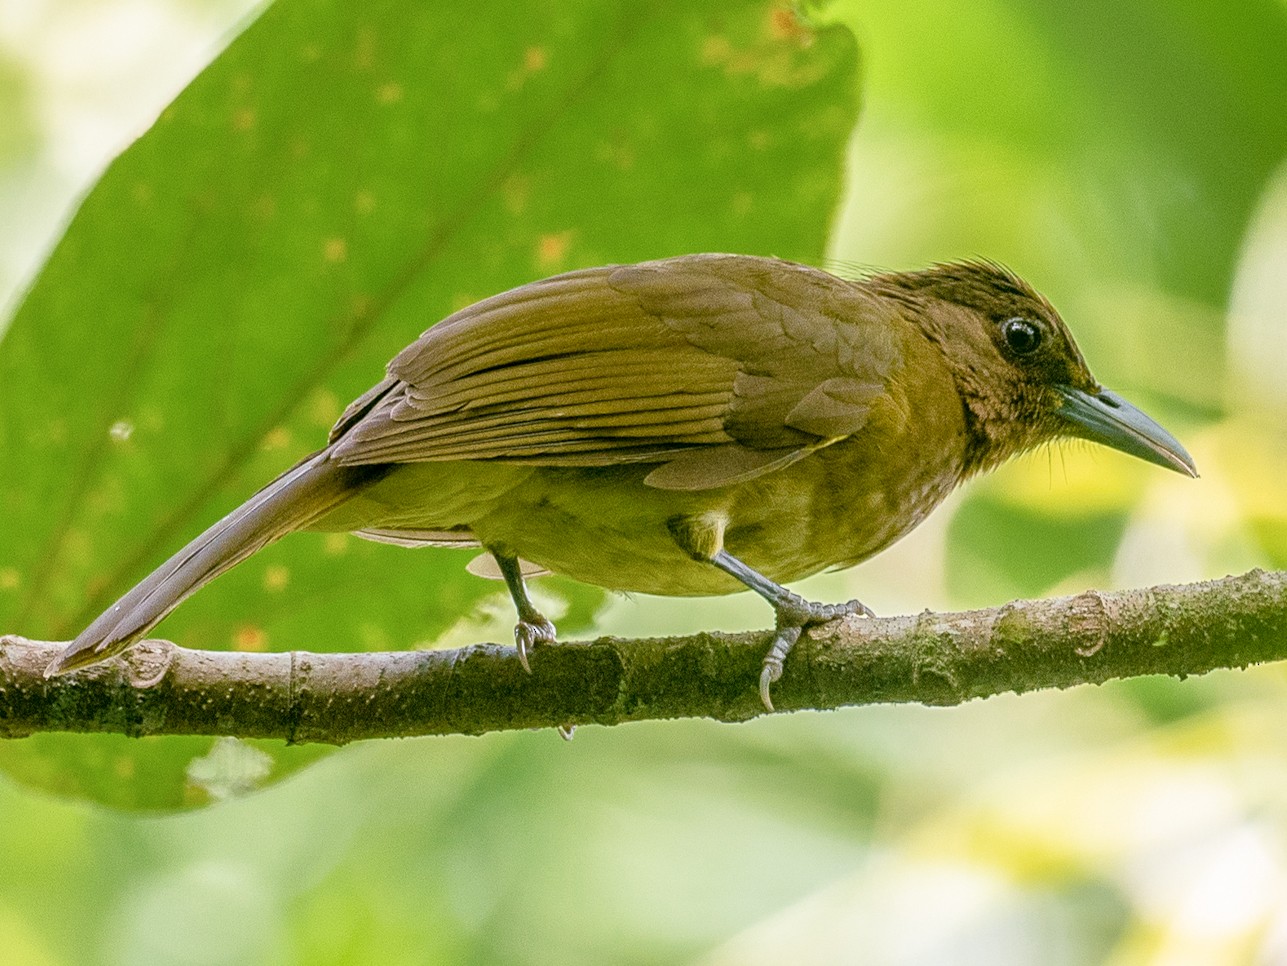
[[1128, 159]]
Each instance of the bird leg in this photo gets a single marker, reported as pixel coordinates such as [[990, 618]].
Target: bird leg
[[533, 627], [793, 614]]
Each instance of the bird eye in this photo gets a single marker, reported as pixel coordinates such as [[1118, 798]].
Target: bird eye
[[1021, 336]]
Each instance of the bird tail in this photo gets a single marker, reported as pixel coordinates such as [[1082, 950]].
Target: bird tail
[[298, 497]]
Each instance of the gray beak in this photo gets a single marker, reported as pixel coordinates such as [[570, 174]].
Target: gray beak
[[1107, 418]]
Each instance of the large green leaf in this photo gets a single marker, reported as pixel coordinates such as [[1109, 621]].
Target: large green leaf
[[339, 178]]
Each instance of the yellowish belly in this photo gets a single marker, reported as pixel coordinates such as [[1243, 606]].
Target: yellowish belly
[[603, 526]]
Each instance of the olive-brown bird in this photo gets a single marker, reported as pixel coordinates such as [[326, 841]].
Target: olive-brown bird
[[689, 426]]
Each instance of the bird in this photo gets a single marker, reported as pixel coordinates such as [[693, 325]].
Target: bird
[[694, 425]]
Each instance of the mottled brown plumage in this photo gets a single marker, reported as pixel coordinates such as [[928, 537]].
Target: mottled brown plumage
[[695, 425]]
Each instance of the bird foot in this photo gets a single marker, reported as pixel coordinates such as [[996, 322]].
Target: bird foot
[[794, 614], [530, 631]]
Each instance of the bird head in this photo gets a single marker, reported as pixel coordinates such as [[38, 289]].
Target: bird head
[[1021, 377]]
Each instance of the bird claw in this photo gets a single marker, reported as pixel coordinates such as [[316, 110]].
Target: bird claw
[[529, 632], [851, 608], [771, 671]]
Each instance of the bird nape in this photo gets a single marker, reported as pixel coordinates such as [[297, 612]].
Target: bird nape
[[694, 425]]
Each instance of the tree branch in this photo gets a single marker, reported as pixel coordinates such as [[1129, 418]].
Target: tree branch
[[942, 659]]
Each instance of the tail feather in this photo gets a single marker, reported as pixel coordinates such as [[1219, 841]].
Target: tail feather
[[291, 502]]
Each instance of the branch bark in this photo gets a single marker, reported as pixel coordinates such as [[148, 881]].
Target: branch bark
[[942, 659]]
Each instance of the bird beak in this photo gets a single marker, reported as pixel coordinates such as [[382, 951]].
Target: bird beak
[[1107, 418]]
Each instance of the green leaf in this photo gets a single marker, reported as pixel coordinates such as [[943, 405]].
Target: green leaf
[[341, 177], [151, 773]]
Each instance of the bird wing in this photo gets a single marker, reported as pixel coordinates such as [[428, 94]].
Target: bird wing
[[717, 367]]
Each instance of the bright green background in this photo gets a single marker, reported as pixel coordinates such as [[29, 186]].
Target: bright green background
[[324, 191]]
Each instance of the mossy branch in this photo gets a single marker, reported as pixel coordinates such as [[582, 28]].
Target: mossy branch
[[158, 688]]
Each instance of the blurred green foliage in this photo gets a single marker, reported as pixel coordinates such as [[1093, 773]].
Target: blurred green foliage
[[18, 131], [1114, 153]]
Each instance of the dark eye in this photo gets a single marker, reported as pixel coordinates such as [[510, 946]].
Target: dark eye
[[1021, 336]]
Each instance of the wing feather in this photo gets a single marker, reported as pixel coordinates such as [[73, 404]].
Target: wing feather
[[755, 362]]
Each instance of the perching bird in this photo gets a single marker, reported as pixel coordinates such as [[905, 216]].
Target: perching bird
[[689, 426]]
